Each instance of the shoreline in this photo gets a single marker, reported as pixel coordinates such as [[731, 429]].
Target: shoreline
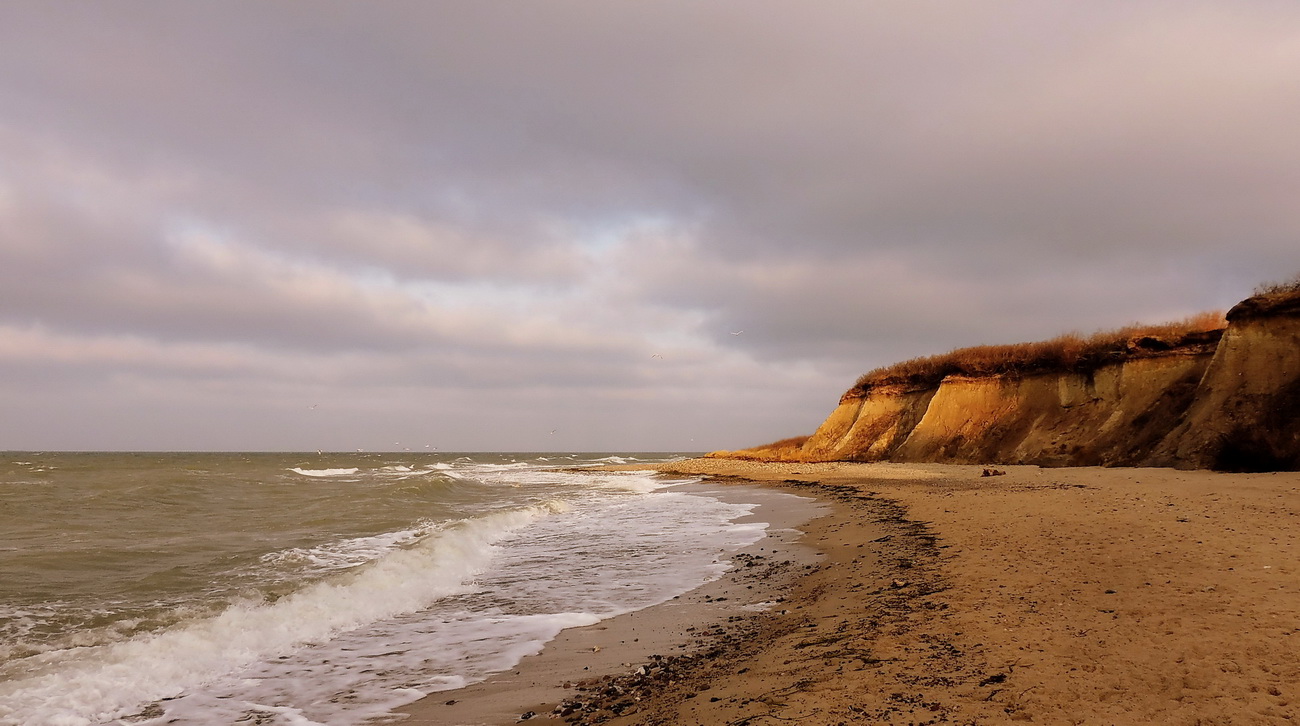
[[578, 659], [1070, 596], [1063, 596]]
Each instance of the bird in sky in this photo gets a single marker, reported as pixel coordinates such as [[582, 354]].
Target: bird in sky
[[737, 332]]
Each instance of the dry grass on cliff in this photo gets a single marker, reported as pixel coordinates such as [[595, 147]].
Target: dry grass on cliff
[[1065, 352], [784, 450], [1288, 288], [1274, 298]]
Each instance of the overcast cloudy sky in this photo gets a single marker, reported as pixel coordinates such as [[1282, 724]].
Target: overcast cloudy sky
[[668, 225]]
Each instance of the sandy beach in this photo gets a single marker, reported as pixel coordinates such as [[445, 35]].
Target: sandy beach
[[1061, 596], [581, 660]]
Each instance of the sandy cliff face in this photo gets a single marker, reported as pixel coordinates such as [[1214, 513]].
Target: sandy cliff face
[[1113, 415], [870, 428], [1246, 413], [1234, 405], [1116, 414]]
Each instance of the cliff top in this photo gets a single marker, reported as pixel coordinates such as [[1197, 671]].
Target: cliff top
[[1279, 298], [1070, 352]]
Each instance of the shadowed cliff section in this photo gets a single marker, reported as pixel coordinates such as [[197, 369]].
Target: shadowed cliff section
[[1190, 394], [1246, 412]]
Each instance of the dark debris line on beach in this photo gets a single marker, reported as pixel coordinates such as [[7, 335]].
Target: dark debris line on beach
[[609, 697], [908, 596]]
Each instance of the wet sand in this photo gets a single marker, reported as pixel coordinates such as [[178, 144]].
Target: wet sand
[[579, 658], [1059, 596]]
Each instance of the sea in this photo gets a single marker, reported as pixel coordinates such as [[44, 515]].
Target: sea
[[321, 588]]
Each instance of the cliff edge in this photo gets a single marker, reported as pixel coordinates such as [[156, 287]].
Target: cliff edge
[[1194, 394]]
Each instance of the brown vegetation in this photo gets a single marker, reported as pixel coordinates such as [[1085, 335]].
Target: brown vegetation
[[1288, 287], [784, 450], [1066, 352], [1274, 298]]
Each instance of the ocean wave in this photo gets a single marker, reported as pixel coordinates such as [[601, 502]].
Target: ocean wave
[[82, 686], [641, 482], [325, 472], [346, 554], [350, 625]]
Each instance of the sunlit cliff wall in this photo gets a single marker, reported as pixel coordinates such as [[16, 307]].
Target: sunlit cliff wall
[[1233, 404], [1117, 414]]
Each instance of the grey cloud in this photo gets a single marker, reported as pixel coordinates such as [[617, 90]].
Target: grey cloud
[[875, 308], [837, 128], [515, 196]]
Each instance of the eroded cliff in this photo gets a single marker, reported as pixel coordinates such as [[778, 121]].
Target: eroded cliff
[[1245, 415], [1223, 399]]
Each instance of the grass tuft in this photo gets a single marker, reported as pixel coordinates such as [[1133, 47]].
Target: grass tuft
[[1285, 288], [1274, 298]]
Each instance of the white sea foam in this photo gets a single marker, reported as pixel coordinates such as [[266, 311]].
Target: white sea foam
[[325, 472], [345, 554], [70, 688], [432, 606], [639, 482], [403, 660], [635, 481], [615, 555]]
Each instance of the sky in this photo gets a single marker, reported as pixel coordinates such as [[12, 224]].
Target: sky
[[602, 226]]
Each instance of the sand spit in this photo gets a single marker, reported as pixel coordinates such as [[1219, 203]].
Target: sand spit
[[1060, 596]]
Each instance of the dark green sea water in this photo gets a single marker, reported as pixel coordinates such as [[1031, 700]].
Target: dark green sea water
[[206, 588]]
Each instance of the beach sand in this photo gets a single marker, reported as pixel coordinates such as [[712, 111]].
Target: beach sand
[[580, 658], [1059, 596]]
